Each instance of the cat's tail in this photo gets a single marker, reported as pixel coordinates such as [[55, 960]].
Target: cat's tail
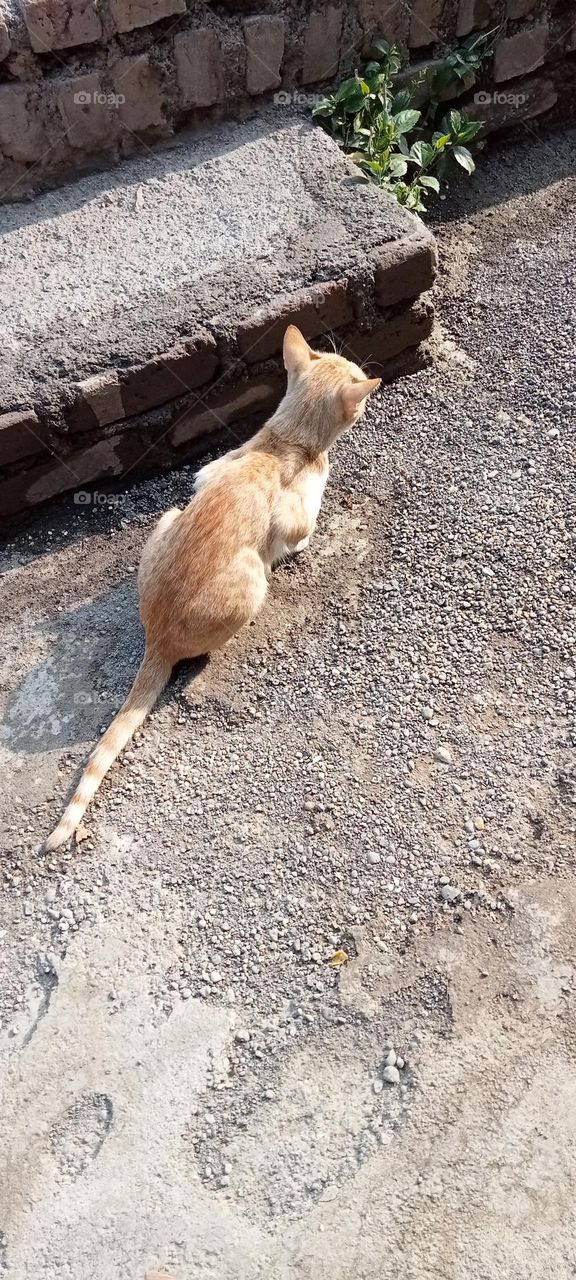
[[152, 676]]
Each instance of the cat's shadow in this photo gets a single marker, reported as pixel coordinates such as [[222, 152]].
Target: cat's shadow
[[75, 691]]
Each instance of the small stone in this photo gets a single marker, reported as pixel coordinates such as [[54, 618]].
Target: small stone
[[478, 824], [442, 755], [269, 1094], [428, 712], [242, 1036], [450, 893], [377, 1086], [390, 1059], [400, 1063], [391, 1075], [373, 857]]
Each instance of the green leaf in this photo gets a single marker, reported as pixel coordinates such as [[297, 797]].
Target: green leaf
[[427, 180], [324, 108], [405, 121], [382, 46], [347, 89], [455, 121], [421, 153], [440, 140], [400, 101], [462, 155], [373, 165], [469, 130], [397, 166], [403, 145]]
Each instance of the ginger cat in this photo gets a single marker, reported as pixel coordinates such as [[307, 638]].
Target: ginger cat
[[204, 570]]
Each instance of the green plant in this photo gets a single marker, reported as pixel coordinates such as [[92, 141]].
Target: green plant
[[403, 149]]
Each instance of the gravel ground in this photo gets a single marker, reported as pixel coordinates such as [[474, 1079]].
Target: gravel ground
[[384, 766]]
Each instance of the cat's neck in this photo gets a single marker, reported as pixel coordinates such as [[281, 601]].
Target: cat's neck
[[304, 425]]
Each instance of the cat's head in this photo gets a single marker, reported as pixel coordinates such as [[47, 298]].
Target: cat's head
[[330, 390]]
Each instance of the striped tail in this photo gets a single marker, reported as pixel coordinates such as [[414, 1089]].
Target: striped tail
[[151, 678]]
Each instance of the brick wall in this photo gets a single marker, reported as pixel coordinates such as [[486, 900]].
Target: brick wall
[[86, 79]]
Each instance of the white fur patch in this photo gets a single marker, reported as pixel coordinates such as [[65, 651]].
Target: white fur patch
[[312, 490]]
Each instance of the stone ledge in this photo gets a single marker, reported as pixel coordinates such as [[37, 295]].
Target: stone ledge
[[179, 332], [120, 306]]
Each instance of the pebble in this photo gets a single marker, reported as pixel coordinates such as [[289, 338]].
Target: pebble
[[428, 712], [450, 893], [443, 755], [479, 824], [400, 1063], [390, 1058], [391, 1075], [373, 857], [377, 1085]]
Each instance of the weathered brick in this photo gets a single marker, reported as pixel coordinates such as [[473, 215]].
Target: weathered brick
[[382, 18], [426, 15], [405, 268], [88, 113], [199, 67], [227, 405], [322, 45], [100, 461], [60, 24], [128, 14], [138, 83], [519, 54], [4, 39], [473, 14], [524, 100], [169, 375], [22, 133], [316, 311], [519, 8], [21, 436], [264, 37], [386, 340], [98, 402]]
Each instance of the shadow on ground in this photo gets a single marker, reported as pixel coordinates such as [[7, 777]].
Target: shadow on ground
[[77, 688]]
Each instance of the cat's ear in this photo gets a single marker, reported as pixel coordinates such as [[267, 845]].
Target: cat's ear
[[296, 352], [355, 392]]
